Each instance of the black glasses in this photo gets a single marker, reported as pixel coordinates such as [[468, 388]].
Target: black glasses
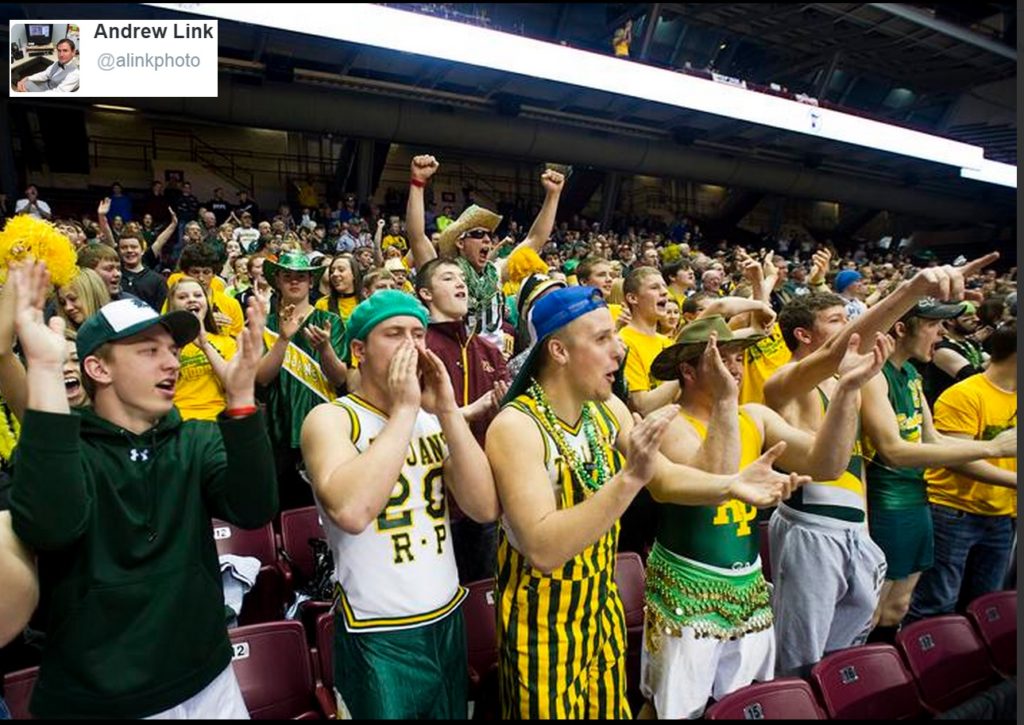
[[478, 234]]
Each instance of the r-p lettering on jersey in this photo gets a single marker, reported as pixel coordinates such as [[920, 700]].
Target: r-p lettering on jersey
[[441, 534], [739, 513], [403, 548]]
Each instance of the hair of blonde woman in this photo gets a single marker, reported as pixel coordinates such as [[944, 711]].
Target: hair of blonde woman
[[91, 291], [617, 296]]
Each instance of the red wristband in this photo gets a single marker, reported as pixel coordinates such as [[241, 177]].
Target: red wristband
[[417, 183], [241, 411]]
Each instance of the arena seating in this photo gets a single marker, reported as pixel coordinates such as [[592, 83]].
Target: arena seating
[[947, 658], [995, 617]]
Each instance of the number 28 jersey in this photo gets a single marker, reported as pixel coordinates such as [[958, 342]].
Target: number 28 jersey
[[399, 572]]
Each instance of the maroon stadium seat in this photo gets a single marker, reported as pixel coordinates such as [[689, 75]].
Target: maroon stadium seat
[[298, 526], [273, 668], [995, 616], [325, 664], [265, 602], [947, 658], [480, 613], [867, 683], [18, 691], [630, 579], [789, 698]]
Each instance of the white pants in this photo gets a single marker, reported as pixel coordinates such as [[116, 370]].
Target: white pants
[[686, 671], [220, 700]]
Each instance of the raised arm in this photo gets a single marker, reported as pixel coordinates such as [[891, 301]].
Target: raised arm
[[421, 169], [879, 424], [540, 232], [239, 484], [352, 487], [825, 455], [50, 503], [719, 452], [163, 236], [799, 378], [102, 210], [13, 380]]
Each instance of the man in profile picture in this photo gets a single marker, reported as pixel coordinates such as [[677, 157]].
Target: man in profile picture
[[61, 76]]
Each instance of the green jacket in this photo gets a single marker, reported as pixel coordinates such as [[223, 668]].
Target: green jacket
[[127, 561]]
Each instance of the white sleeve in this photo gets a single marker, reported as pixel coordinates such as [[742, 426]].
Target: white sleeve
[[42, 75], [43, 207], [70, 82], [20, 204]]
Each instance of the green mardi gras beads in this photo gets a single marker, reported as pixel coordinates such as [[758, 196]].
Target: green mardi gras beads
[[591, 480]]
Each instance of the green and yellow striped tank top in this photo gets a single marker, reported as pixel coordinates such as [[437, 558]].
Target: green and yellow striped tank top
[[552, 626]]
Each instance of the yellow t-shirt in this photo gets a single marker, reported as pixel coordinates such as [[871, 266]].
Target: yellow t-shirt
[[643, 349], [345, 305], [616, 311], [679, 298], [977, 408], [759, 362], [392, 240], [199, 395]]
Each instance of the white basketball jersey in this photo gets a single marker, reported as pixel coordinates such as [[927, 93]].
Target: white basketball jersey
[[400, 571]]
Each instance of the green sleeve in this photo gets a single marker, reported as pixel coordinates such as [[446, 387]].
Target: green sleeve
[[239, 480], [338, 338], [50, 501]]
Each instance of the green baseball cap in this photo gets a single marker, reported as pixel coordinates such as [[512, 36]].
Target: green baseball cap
[[124, 318]]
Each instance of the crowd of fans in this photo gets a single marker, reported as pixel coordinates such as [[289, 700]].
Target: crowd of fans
[[466, 395]]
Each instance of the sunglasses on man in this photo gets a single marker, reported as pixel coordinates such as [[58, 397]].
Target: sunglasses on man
[[477, 234]]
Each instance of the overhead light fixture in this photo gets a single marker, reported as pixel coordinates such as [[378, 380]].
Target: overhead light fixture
[[993, 172], [106, 107], [392, 29]]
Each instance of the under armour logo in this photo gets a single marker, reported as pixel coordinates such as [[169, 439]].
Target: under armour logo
[[138, 455]]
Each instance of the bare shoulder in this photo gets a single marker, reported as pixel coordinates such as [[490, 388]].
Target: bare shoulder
[[512, 427], [327, 418]]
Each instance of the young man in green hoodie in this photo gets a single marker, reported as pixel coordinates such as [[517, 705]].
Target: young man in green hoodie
[[117, 500]]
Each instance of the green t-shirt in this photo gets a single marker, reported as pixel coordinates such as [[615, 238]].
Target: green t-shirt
[[900, 488], [289, 400]]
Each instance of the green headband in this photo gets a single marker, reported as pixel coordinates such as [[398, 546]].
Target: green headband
[[379, 307]]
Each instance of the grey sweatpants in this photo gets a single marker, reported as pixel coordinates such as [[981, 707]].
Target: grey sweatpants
[[827, 575]]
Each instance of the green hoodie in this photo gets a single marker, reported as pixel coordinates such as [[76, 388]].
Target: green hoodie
[[127, 561]]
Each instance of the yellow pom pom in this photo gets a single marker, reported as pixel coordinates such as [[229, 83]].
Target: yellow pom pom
[[26, 237], [522, 263]]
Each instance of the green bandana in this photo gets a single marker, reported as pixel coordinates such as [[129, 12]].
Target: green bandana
[[482, 287]]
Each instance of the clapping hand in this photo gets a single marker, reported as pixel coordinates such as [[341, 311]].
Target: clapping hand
[[42, 344], [855, 370], [319, 337], [760, 485], [240, 373]]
